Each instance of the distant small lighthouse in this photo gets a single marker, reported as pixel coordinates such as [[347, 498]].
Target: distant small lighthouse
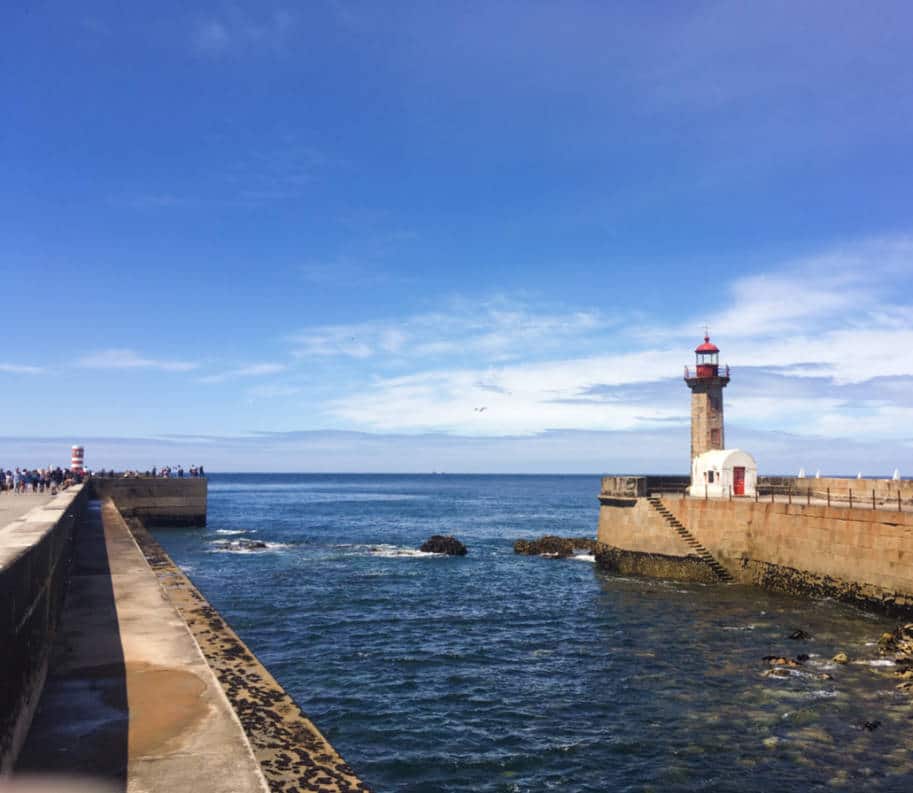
[[707, 384]]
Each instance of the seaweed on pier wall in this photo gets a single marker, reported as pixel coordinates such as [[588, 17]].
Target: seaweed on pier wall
[[781, 578], [653, 565]]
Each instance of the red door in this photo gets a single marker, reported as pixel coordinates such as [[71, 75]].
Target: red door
[[738, 480]]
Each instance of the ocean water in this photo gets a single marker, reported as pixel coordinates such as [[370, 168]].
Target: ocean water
[[498, 672]]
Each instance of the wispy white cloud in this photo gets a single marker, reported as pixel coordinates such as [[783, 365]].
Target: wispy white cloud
[[496, 330], [19, 368], [808, 333], [236, 31], [251, 370], [129, 359], [849, 285]]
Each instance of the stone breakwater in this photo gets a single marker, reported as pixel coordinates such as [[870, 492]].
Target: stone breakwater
[[860, 556], [292, 752], [35, 551], [117, 669]]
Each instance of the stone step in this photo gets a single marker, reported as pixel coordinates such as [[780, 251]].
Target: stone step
[[703, 554]]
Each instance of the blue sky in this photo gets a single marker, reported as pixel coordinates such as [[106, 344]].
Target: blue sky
[[319, 236]]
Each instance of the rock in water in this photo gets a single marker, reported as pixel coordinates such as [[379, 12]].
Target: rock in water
[[841, 658], [800, 634], [440, 543], [241, 545], [551, 545], [899, 643]]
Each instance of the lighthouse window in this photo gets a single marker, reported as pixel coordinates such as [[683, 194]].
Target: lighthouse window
[[710, 477]]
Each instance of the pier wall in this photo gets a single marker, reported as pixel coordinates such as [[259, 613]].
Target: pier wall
[[156, 501], [35, 553], [886, 491], [35, 559], [857, 555]]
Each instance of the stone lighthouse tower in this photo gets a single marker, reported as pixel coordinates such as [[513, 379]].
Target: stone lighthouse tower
[[706, 383]]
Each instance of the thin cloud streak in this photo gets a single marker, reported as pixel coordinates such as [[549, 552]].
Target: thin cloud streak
[[236, 32], [251, 370], [129, 359], [496, 329]]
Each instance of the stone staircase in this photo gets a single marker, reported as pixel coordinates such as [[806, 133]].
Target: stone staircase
[[705, 555]]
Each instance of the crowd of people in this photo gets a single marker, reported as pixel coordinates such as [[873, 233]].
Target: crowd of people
[[37, 480], [52, 479]]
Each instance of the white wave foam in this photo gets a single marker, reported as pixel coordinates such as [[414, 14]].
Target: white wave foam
[[876, 662], [395, 551], [583, 557], [386, 551], [227, 546], [231, 532]]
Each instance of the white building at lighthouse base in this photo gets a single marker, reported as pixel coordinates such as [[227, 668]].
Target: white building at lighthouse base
[[722, 473]]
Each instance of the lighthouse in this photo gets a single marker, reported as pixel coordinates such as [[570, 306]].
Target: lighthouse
[[707, 383], [715, 471]]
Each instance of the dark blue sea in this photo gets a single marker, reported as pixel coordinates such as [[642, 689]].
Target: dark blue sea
[[498, 672]]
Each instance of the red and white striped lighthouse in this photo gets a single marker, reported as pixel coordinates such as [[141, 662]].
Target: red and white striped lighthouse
[[77, 459]]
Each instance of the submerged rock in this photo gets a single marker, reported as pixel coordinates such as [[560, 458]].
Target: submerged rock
[[800, 634], [241, 545], [552, 545], [440, 543], [841, 658], [899, 643], [776, 660]]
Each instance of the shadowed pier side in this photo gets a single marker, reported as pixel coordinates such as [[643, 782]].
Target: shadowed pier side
[[130, 697]]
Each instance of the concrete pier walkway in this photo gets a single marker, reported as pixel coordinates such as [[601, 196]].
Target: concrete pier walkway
[[130, 698], [14, 507]]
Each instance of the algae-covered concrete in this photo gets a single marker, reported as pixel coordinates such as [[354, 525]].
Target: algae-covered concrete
[[129, 697], [292, 752]]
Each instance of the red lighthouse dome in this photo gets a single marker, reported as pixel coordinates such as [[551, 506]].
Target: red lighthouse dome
[[707, 362], [707, 358]]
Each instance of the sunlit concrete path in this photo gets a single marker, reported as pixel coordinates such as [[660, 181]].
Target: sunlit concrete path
[[129, 697], [14, 507]]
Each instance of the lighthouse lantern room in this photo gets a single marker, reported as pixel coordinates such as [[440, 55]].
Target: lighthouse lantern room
[[707, 359]]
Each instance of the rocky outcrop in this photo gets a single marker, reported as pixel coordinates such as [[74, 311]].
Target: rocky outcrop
[[898, 644], [240, 545], [445, 544], [551, 545]]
